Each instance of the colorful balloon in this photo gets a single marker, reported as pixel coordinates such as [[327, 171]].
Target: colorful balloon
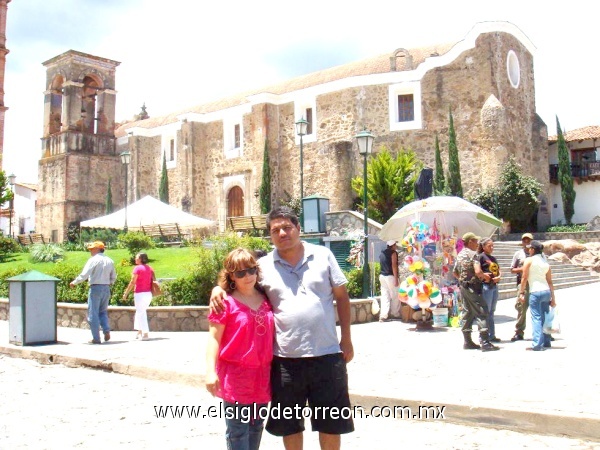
[[435, 296]]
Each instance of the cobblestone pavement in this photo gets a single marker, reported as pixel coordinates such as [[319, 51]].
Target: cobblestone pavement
[[53, 406]]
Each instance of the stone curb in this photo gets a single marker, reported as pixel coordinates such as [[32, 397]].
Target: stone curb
[[540, 422]]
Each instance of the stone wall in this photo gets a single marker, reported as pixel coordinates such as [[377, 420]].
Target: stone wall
[[492, 120], [342, 223], [585, 236], [162, 318]]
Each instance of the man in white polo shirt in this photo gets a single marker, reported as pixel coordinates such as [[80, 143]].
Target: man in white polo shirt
[[302, 281]]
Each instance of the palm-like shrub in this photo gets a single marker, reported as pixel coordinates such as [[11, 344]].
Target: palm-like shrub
[[46, 253]]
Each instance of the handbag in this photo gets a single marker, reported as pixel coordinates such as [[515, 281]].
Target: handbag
[[375, 307], [156, 290]]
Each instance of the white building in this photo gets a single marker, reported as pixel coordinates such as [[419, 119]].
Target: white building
[[23, 211], [584, 148]]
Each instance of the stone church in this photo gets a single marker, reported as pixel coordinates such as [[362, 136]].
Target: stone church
[[214, 152]]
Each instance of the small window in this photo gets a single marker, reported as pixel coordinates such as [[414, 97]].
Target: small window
[[406, 108], [404, 103], [309, 119], [233, 138], [172, 150], [236, 136]]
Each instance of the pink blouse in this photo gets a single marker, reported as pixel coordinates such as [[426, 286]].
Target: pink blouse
[[144, 273], [246, 351]]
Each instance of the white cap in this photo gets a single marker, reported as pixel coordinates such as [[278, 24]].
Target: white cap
[[390, 243]]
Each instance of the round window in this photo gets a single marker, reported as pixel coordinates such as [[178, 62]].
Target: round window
[[513, 69]]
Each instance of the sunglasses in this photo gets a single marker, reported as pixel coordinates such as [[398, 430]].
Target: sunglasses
[[242, 273]]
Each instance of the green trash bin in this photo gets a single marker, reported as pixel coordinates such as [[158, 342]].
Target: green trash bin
[[32, 308]]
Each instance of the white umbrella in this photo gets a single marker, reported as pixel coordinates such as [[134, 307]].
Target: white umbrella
[[448, 212]]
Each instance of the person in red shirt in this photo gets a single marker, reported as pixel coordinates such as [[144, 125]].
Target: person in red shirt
[[141, 284], [240, 350]]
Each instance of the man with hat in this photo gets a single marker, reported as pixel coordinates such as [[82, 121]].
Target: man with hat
[[99, 271], [516, 267], [470, 276], [388, 278]]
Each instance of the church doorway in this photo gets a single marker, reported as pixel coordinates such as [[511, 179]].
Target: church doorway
[[235, 202]]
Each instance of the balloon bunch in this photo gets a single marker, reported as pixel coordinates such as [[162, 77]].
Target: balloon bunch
[[418, 294], [417, 233], [416, 265]]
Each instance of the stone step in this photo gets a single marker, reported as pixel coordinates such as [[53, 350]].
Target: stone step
[[556, 278], [512, 293]]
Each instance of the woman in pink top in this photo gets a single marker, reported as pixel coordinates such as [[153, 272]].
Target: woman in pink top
[[141, 281], [240, 350]]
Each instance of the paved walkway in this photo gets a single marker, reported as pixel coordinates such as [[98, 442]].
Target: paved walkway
[[555, 391]]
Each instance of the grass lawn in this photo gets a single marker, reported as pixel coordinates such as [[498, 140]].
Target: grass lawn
[[167, 262]]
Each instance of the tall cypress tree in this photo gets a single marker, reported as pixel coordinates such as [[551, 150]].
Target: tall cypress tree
[[565, 177], [109, 203], [454, 181], [265, 186], [163, 190], [439, 180]]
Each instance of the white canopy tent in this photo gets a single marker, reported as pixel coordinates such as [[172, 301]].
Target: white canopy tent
[[148, 211]]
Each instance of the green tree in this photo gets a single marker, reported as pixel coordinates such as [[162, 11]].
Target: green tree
[[565, 177], [109, 202], [265, 186], [135, 241], [454, 181], [515, 196], [439, 180], [6, 193], [163, 190], [390, 183]]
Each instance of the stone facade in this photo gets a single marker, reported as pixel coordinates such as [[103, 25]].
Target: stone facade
[[78, 143], [215, 150], [163, 318]]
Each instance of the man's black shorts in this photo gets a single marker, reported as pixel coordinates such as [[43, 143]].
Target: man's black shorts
[[321, 381]]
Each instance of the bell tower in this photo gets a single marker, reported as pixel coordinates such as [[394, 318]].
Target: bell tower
[[78, 143]]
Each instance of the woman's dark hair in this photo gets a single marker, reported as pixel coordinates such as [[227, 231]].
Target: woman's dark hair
[[482, 243], [143, 258], [237, 259], [537, 247], [282, 212]]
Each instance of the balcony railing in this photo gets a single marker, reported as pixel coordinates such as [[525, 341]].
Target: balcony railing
[[582, 170]]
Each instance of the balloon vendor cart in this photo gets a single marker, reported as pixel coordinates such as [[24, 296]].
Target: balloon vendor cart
[[430, 289], [429, 231]]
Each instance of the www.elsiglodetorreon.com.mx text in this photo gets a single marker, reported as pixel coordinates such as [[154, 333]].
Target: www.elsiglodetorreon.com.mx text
[[248, 412]]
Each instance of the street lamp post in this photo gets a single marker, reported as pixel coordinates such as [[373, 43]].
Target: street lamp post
[[11, 181], [301, 128], [125, 159], [365, 145]]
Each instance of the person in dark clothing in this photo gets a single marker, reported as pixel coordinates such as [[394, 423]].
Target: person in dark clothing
[[491, 271], [388, 278], [468, 271]]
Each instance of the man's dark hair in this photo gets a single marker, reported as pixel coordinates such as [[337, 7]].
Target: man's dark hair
[[282, 212]]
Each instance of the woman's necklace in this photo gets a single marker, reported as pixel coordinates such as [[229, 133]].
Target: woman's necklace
[[259, 313]]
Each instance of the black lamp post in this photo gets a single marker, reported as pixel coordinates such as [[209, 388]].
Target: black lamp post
[[301, 128], [365, 145], [11, 181], [126, 159]]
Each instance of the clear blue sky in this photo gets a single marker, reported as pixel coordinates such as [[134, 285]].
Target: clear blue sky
[[181, 53]]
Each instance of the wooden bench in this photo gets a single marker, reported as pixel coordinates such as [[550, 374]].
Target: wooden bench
[[169, 233], [247, 223], [31, 238]]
